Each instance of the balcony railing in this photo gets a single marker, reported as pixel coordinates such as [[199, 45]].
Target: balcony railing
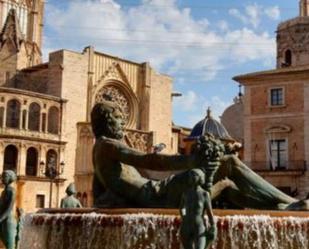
[[265, 166], [30, 134]]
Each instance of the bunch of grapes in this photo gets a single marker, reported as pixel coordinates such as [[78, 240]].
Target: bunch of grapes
[[210, 148]]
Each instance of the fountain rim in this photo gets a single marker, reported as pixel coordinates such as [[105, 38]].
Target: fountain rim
[[174, 212]]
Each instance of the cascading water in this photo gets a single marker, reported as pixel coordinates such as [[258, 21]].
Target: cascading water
[[151, 231]]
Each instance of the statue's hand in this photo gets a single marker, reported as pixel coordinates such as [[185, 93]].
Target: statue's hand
[[211, 233]]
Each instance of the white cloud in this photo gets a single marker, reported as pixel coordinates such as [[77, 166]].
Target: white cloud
[[187, 102], [236, 13], [249, 46], [273, 13], [223, 25], [195, 106], [254, 13], [170, 38]]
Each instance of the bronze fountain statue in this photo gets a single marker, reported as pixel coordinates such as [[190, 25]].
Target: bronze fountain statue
[[118, 183], [210, 171]]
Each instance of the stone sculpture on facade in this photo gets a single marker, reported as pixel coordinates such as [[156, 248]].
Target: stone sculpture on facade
[[7, 219], [116, 176], [70, 201]]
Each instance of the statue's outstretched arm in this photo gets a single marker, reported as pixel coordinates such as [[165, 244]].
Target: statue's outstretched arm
[[153, 161]]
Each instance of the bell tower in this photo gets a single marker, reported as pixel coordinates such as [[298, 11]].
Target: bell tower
[[293, 39], [30, 17], [304, 8], [21, 29]]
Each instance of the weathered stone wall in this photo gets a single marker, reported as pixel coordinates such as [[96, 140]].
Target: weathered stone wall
[[160, 109], [73, 87]]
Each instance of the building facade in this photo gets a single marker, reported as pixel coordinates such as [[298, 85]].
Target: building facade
[[276, 110], [45, 107]]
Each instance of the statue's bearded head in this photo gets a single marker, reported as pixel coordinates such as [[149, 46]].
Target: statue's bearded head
[[106, 120]]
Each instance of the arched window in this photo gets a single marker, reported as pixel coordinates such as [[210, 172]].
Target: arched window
[[1, 116], [53, 120], [288, 57], [34, 117], [32, 162], [51, 162], [10, 158], [13, 114]]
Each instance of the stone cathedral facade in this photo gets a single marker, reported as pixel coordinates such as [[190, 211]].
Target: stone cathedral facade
[[45, 107]]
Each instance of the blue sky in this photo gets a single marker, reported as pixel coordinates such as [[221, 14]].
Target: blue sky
[[201, 44]]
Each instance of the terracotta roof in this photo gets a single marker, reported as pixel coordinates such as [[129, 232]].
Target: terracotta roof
[[286, 70]]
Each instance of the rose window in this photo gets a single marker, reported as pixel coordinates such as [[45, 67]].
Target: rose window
[[113, 94]]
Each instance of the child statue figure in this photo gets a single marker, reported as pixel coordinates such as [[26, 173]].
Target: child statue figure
[[197, 199], [70, 201], [7, 219]]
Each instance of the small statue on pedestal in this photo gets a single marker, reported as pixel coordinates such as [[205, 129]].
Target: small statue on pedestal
[[70, 201], [7, 219]]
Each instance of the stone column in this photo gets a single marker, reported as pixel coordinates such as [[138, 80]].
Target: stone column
[[1, 13], [41, 158], [21, 118], [27, 119], [20, 193]]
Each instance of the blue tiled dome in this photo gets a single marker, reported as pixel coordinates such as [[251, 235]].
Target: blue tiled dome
[[211, 126]]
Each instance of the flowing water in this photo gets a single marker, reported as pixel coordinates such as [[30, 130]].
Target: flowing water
[[149, 231]]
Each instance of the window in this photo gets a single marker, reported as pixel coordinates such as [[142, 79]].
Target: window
[[40, 201], [10, 158], [12, 115], [278, 154], [34, 117], [31, 162], [53, 120], [288, 58], [51, 162], [276, 97]]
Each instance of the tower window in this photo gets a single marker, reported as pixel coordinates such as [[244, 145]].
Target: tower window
[[288, 58], [276, 97]]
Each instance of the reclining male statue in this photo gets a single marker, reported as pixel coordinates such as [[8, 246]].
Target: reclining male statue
[[118, 183]]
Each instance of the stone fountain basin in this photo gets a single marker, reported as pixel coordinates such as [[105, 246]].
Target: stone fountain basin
[[159, 229]]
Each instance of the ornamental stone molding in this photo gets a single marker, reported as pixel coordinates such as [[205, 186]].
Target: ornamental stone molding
[[114, 72], [141, 141], [279, 128]]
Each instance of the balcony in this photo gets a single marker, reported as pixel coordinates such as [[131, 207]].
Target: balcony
[[22, 133], [291, 167]]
